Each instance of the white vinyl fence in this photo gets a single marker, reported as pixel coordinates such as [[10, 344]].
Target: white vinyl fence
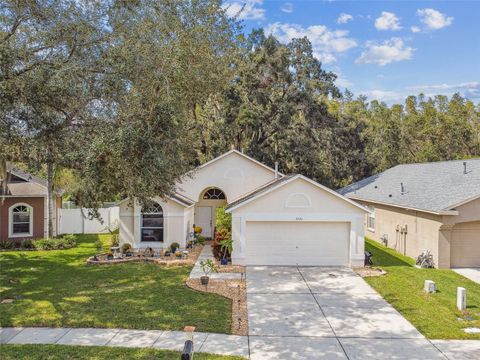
[[73, 221]]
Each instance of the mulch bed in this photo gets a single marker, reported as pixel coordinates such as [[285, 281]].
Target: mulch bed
[[235, 290], [368, 271], [190, 259]]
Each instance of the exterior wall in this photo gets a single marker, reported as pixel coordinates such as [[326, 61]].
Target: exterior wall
[[38, 205], [299, 201], [175, 217], [422, 230], [234, 174]]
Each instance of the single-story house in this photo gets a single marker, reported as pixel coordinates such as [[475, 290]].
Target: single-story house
[[430, 206], [276, 219], [23, 206]]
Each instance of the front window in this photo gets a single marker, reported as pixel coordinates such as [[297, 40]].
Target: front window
[[21, 220], [214, 194], [152, 222], [371, 219]]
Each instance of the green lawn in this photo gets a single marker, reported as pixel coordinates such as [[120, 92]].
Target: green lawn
[[57, 288], [434, 315], [63, 352]]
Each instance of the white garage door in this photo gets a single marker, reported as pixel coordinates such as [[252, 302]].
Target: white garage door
[[465, 245], [302, 243]]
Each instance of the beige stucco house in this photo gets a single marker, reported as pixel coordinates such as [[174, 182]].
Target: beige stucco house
[[276, 219], [429, 206]]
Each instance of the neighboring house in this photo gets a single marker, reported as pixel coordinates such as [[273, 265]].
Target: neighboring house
[[276, 219], [23, 206], [430, 206]]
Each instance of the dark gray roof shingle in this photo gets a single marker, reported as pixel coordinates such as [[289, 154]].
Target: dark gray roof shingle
[[435, 187]]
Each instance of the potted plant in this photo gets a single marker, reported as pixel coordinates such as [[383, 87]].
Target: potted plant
[[174, 246], [207, 266], [226, 246], [127, 249]]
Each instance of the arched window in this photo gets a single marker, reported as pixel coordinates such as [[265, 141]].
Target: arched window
[[214, 194], [152, 222], [21, 220]]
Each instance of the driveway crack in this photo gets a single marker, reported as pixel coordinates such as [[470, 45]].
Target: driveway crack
[[323, 313]]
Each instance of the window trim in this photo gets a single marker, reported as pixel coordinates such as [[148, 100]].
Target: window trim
[[151, 227], [11, 234], [220, 196], [371, 215]]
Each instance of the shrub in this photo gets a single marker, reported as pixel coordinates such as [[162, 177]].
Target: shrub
[[115, 239], [65, 242], [223, 220], [200, 240], [126, 248], [26, 244], [197, 229], [99, 245], [221, 236], [7, 244], [174, 246]]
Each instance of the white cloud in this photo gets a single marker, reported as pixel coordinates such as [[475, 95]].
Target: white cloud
[[470, 90], [287, 7], [245, 10], [386, 52], [387, 21], [344, 18], [472, 85], [326, 43], [415, 29], [434, 19], [384, 95]]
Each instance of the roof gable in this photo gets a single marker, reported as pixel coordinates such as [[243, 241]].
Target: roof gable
[[236, 152], [283, 181]]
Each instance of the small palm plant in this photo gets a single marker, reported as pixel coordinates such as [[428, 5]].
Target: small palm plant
[[208, 267]]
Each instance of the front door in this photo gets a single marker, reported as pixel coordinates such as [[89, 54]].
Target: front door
[[204, 220]]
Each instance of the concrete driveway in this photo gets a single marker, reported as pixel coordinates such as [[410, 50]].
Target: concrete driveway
[[327, 313]]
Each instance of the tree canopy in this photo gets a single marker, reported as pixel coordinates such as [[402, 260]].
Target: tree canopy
[[123, 97]]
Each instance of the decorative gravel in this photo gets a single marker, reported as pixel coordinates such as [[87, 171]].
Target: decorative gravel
[[235, 290], [369, 271]]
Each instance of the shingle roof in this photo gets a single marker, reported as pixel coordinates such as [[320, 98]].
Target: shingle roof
[[33, 185], [259, 190], [434, 187]]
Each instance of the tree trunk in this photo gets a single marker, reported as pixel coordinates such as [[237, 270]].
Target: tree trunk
[[50, 199]]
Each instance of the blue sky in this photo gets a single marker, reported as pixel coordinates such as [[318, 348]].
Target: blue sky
[[383, 49]]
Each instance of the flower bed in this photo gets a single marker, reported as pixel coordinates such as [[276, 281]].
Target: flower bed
[[189, 259]]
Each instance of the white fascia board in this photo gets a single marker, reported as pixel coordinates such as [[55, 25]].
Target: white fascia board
[[446, 212]]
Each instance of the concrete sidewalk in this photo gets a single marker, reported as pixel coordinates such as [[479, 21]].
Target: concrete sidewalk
[[166, 340], [206, 254], [470, 273]]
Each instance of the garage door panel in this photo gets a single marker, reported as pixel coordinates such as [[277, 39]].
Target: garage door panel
[[294, 243], [465, 246]]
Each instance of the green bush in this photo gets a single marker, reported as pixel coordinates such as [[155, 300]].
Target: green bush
[[7, 244], [126, 248], [200, 240], [223, 220], [174, 246], [26, 244], [65, 242]]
